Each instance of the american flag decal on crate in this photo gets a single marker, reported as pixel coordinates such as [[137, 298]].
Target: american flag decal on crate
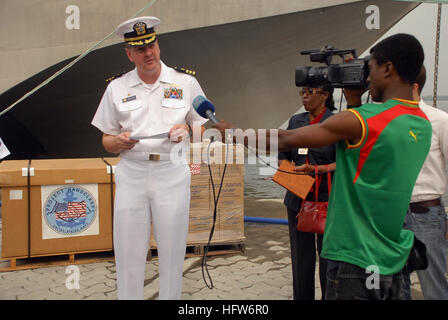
[[70, 210]]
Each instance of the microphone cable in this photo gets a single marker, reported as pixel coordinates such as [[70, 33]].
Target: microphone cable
[[204, 265]]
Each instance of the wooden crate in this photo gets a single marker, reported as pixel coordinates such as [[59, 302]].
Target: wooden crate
[[36, 186]]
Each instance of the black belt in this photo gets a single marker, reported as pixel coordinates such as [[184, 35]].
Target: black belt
[[423, 206]]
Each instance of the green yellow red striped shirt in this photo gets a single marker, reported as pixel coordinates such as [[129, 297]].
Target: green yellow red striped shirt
[[373, 186]]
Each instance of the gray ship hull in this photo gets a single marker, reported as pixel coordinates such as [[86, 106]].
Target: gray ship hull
[[246, 68]]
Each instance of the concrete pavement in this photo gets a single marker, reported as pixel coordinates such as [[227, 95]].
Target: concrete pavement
[[262, 272]]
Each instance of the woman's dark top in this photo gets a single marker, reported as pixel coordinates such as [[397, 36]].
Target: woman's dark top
[[316, 156]]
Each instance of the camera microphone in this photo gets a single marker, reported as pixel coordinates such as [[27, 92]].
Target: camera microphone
[[205, 108]]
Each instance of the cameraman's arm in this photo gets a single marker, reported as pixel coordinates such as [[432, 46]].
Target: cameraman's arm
[[342, 126]]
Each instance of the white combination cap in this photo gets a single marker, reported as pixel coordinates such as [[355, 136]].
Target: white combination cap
[[138, 31]]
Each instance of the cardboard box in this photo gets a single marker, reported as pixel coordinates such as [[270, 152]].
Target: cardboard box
[[229, 226], [231, 223], [14, 208], [69, 207], [216, 153], [5, 179]]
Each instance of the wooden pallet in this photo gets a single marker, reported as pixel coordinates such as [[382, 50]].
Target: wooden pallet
[[197, 250], [24, 263]]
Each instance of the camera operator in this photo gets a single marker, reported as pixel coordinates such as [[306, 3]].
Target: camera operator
[[319, 104], [380, 150]]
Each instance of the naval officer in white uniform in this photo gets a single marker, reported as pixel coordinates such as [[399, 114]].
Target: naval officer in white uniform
[[152, 184]]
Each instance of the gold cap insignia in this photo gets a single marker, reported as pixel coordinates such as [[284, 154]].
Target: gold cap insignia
[[140, 28]]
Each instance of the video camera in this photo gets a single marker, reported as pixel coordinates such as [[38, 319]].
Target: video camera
[[352, 74]]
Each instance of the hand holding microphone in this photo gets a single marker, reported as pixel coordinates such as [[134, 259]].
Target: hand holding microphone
[[206, 109]]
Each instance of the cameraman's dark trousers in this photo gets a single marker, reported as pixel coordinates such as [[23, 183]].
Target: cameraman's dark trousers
[[347, 281]]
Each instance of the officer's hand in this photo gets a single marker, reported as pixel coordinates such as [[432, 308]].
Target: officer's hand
[[179, 133], [123, 142]]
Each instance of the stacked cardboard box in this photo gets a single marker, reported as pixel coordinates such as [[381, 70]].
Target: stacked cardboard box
[[229, 225]]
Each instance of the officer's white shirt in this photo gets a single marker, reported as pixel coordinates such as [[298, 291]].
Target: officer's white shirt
[[431, 181], [129, 104]]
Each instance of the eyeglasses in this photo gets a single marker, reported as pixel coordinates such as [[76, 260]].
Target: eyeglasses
[[309, 91]]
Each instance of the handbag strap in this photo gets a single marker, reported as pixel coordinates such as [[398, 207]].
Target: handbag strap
[[328, 179], [318, 180]]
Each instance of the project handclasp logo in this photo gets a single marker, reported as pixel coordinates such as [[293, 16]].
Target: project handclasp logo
[[70, 210]]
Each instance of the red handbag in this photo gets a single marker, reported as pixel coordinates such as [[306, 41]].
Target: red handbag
[[313, 214]]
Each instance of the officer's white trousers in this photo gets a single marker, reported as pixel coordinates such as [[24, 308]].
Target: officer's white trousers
[[157, 191]]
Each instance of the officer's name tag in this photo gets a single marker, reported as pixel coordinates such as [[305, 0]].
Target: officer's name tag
[[303, 151], [129, 105], [127, 99]]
